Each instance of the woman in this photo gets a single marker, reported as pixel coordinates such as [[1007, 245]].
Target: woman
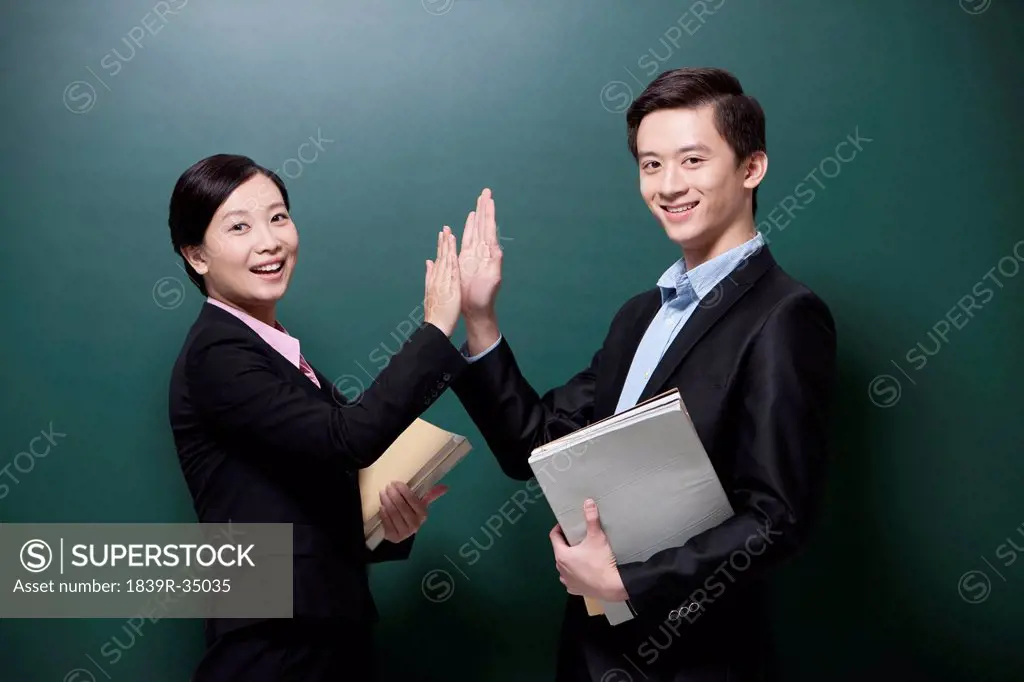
[[262, 436]]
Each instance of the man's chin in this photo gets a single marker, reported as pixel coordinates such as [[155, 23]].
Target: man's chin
[[682, 235]]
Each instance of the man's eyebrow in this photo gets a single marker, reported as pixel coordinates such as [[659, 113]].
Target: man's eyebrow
[[698, 147]]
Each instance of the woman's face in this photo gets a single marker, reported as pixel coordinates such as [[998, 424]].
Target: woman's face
[[250, 247]]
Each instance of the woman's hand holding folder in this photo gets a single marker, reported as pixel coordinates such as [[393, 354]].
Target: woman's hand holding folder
[[402, 512]]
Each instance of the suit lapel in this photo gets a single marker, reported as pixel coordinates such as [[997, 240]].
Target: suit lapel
[[636, 326], [290, 371], [711, 308]]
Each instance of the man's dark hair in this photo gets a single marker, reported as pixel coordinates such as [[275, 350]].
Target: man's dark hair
[[738, 116], [198, 194]]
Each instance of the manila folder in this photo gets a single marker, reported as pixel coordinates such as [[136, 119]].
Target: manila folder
[[419, 457]]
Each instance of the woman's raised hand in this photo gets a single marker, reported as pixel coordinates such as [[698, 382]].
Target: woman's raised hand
[[443, 298]]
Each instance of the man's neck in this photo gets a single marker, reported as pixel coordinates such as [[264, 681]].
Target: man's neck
[[736, 234]]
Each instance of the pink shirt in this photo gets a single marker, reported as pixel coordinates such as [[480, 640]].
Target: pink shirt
[[276, 337]]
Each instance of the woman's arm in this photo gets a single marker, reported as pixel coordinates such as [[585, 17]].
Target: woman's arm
[[233, 382]]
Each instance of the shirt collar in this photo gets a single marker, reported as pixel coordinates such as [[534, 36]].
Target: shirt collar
[[276, 337], [706, 276]]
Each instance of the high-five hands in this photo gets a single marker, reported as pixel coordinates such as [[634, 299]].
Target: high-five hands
[[443, 298], [467, 281]]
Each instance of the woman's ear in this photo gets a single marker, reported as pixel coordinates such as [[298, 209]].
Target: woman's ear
[[195, 257]]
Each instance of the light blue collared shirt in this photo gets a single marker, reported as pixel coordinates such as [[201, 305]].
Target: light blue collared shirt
[[681, 292]]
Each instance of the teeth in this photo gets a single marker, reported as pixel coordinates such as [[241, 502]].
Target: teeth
[[681, 209], [268, 268]]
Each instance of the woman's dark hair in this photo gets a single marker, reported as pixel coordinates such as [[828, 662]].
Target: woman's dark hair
[[198, 194], [738, 117]]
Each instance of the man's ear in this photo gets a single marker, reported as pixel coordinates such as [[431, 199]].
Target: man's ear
[[756, 167], [196, 258]]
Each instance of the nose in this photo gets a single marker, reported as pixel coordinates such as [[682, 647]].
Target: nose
[[673, 182], [266, 239]]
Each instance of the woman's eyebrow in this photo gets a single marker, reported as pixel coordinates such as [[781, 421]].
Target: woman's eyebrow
[[242, 212]]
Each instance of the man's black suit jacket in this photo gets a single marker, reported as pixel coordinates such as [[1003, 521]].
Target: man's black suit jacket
[[755, 365], [258, 442]]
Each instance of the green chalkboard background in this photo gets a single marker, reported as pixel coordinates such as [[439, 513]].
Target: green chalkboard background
[[417, 106]]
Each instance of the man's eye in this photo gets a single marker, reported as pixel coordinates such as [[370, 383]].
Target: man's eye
[[693, 160], [650, 165]]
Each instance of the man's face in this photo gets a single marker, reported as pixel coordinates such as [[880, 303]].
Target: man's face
[[689, 176]]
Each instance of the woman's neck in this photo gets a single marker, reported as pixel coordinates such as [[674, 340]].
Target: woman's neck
[[264, 313]]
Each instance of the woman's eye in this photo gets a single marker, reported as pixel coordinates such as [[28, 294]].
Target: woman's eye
[[238, 226], [282, 216], [650, 165]]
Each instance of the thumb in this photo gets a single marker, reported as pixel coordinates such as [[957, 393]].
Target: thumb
[[593, 519]]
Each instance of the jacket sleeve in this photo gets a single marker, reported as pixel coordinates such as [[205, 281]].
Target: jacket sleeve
[[237, 389], [782, 424], [392, 551], [513, 419]]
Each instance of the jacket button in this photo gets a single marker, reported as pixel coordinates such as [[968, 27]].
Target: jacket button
[[446, 376]]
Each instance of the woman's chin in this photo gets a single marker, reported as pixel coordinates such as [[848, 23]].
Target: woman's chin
[[266, 295]]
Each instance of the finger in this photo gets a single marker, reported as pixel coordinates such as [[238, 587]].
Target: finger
[[445, 261], [454, 258], [434, 494], [390, 532], [396, 526], [593, 519], [450, 254], [405, 516], [469, 232], [426, 283], [492, 225], [557, 539], [481, 234], [418, 507]]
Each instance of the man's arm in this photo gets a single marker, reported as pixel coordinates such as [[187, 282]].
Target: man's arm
[[779, 471], [512, 417]]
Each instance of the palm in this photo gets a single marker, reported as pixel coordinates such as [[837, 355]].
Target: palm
[[480, 257]]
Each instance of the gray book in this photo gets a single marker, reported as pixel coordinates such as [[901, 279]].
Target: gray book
[[647, 470]]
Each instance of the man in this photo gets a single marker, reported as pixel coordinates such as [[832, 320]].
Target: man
[[752, 352]]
